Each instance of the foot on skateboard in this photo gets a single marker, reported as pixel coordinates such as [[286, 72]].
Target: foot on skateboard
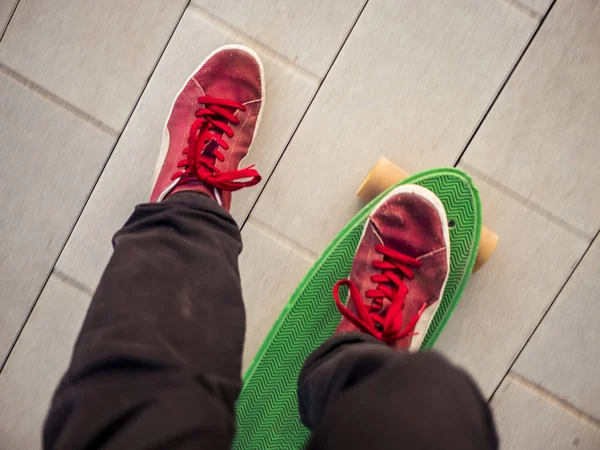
[[211, 127], [399, 270], [267, 410]]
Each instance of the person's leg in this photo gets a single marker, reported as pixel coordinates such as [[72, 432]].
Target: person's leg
[[357, 393], [158, 360]]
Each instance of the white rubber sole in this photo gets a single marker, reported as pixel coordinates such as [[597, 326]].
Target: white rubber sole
[[164, 148], [425, 319]]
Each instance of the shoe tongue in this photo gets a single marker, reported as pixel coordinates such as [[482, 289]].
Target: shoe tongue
[[210, 147], [384, 308]]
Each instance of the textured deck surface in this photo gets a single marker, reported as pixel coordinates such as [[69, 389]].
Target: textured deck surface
[[267, 410]]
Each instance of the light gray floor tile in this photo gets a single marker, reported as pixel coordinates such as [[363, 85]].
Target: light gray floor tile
[[538, 6], [97, 55], [541, 137], [37, 362], [271, 270], [411, 83], [48, 164], [504, 301], [308, 32], [563, 355], [529, 419], [6, 8], [128, 175]]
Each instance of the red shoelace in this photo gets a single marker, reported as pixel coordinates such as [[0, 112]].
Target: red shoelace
[[394, 267], [211, 123]]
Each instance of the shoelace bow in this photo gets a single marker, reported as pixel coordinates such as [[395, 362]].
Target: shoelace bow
[[211, 123], [390, 285]]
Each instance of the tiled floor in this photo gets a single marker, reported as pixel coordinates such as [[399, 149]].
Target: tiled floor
[[508, 90]]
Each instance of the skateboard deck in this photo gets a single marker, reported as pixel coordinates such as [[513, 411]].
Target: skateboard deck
[[267, 410]]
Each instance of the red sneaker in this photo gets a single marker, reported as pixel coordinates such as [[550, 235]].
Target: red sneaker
[[400, 269], [211, 127]]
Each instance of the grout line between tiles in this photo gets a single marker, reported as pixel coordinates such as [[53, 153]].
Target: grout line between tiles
[[10, 17], [306, 253], [195, 9], [87, 199], [268, 178], [49, 96], [544, 314], [525, 9], [551, 398], [73, 282], [560, 222], [528, 203], [504, 83]]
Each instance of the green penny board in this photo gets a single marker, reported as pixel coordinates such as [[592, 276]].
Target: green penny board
[[267, 410]]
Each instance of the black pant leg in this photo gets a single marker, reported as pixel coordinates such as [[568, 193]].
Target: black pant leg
[[356, 393], [158, 361]]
